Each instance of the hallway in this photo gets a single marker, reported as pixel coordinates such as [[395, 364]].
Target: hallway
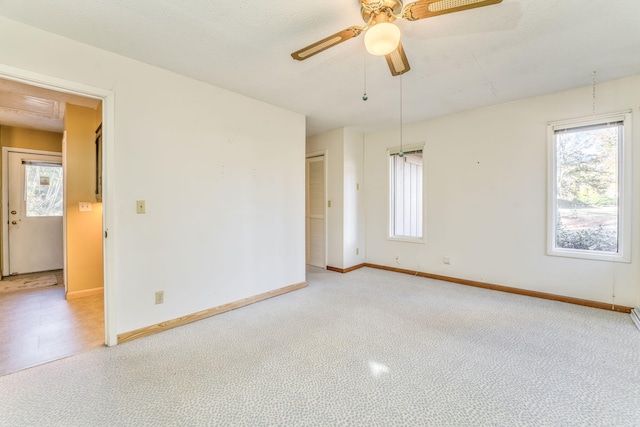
[[39, 325]]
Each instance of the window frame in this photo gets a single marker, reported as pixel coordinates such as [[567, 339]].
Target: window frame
[[390, 211], [624, 188]]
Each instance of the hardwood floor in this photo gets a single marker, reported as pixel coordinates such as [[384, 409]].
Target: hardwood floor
[[39, 325]]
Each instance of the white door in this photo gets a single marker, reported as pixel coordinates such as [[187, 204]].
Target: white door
[[315, 212], [35, 212]]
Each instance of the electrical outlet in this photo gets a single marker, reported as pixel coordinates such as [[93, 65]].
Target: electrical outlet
[[447, 260], [159, 297], [84, 206], [141, 206], [357, 251]]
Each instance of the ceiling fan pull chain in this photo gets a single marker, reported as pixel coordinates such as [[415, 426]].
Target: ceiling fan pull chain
[[593, 90], [364, 60], [401, 153]]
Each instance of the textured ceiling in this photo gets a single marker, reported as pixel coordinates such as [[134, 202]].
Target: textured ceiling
[[459, 61]]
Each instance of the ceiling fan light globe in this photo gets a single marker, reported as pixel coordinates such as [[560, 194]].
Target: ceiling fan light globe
[[382, 39]]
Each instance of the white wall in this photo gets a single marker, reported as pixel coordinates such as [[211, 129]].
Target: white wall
[[346, 217], [354, 217], [485, 181], [222, 175], [332, 142]]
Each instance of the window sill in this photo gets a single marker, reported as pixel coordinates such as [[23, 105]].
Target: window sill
[[589, 255], [406, 239]]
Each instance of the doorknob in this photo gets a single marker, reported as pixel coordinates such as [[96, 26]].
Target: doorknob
[[14, 222], [13, 212]]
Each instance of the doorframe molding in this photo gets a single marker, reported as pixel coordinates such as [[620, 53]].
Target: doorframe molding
[[5, 197], [108, 177]]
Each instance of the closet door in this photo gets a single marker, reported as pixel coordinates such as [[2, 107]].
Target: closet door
[[315, 212]]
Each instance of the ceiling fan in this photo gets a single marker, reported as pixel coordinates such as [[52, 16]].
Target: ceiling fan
[[382, 37]]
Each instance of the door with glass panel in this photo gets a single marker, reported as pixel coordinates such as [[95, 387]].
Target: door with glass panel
[[35, 212]]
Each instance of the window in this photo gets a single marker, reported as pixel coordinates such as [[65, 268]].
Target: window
[[405, 195], [589, 206], [43, 189]]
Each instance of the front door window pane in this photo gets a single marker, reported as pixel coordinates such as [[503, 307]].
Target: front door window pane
[[43, 190]]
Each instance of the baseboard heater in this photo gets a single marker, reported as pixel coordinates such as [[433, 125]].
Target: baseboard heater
[[635, 316]]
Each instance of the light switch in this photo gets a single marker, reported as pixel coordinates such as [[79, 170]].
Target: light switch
[[141, 206], [85, 206]]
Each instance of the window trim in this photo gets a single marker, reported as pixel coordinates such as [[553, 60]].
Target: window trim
[[624, 188], [392, 151]]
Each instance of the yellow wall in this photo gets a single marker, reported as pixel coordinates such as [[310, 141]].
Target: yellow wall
[[30, 139], [98, 114], [84, 229]]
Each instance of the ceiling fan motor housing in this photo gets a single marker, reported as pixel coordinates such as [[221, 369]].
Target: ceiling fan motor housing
[[373, 8]]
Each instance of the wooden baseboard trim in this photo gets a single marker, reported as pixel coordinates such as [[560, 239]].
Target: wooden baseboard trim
[[345, 270], [529, 293], [169, 324], [85, 293]]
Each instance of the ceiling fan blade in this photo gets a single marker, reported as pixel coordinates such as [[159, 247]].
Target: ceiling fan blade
[[327, 42], [428, 8], [397, 61]]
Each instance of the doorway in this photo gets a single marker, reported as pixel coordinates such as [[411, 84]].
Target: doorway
[[68, 88], [64, 92], [34, 212]]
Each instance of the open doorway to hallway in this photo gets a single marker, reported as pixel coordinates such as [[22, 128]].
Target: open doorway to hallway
[[39, 325], [46, 315]]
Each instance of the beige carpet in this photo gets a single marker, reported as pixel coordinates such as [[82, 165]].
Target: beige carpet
[[30, 281], [367, 348]]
